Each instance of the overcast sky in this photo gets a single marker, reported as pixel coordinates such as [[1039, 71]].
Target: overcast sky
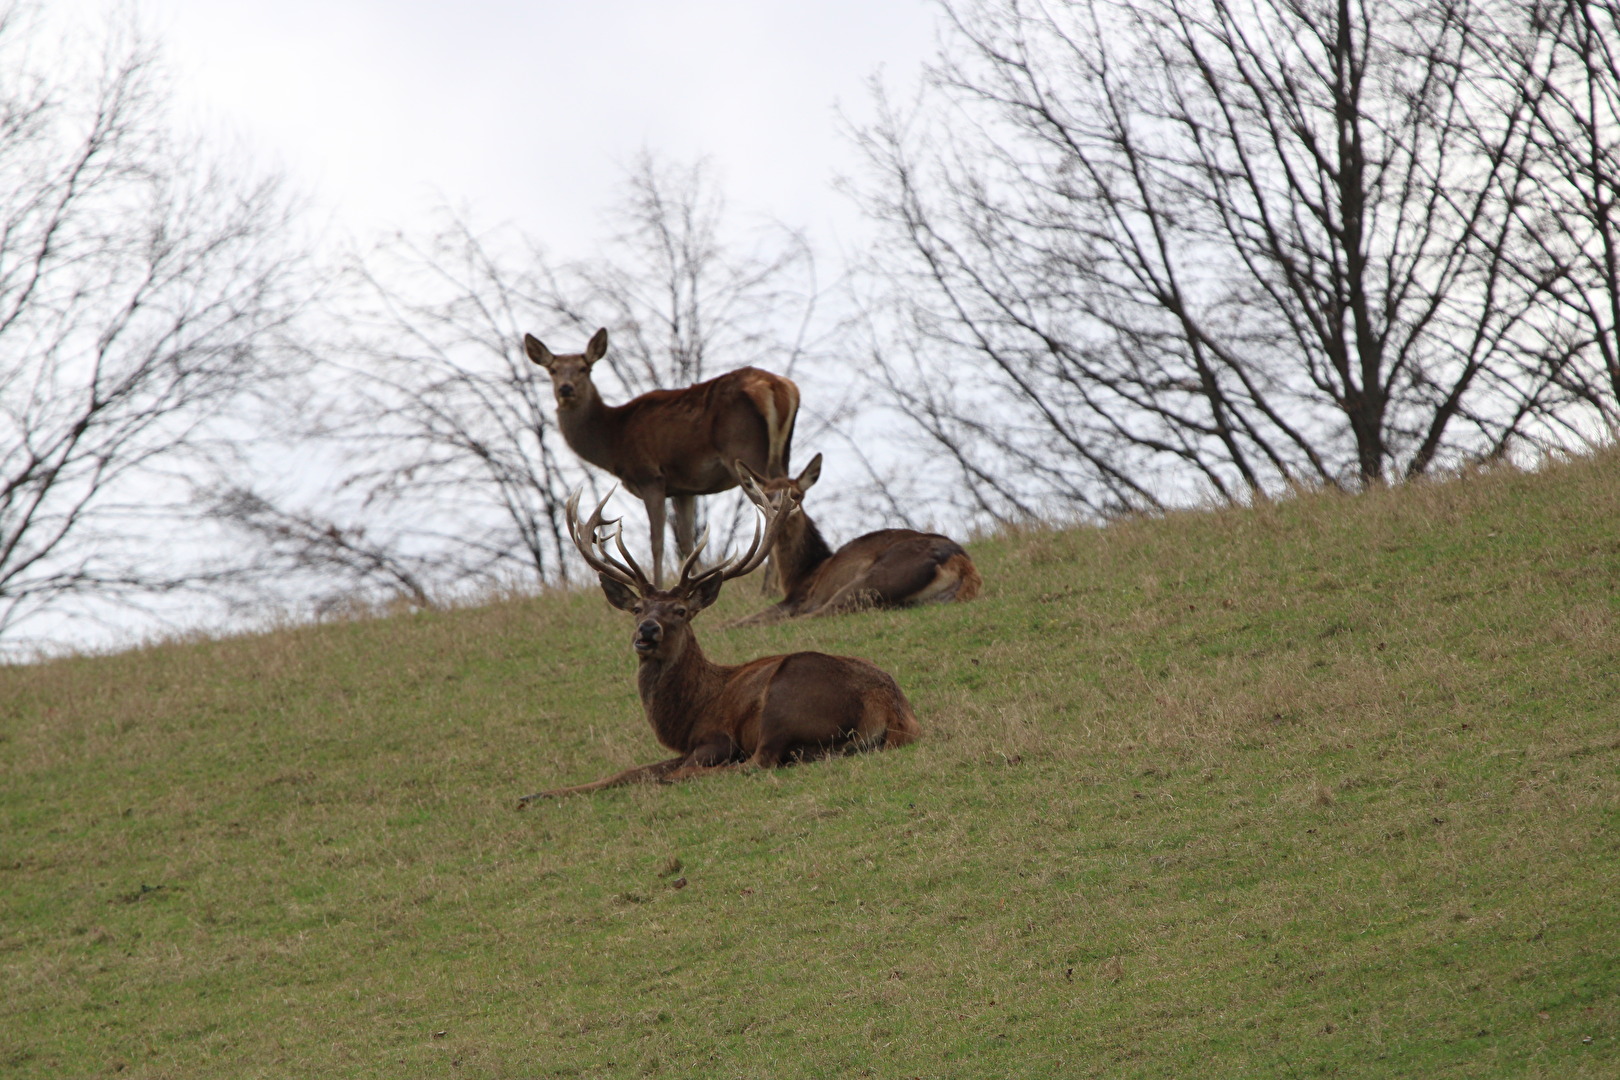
[[525, 111]]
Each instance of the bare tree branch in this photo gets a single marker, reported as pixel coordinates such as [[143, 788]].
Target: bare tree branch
[[1151, 251], [145, 286], [449, 430]]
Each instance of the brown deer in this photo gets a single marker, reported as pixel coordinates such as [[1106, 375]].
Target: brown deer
[[675, 444], [763, 713], [887, 569]]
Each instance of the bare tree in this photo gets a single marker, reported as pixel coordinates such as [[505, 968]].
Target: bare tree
[[143, 283], [1565, 60], [1144, 252], [453, 457], [684, 297]]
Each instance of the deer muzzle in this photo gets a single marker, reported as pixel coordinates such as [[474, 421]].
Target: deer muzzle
[[648, 636]]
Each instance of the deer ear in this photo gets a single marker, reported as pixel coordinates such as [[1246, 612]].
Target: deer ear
[[537, 351], [597, 347], [707, 592], [812, 473], [742, 470], [618, 593]]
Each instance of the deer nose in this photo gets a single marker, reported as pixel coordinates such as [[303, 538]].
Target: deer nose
[[648, 635], [565, 391]]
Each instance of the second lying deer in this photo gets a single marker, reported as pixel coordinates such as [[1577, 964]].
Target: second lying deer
[[885, 569]]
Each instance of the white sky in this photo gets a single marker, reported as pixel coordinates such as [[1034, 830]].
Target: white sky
[[525, 111]]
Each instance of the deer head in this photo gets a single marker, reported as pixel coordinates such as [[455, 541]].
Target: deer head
[[571, 374], [792, 487], [664, 616]]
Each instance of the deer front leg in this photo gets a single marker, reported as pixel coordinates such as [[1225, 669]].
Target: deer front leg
[[717, 753], [641, 774], [653, 497]]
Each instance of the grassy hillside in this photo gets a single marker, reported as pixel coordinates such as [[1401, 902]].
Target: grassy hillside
[[1322, 788]]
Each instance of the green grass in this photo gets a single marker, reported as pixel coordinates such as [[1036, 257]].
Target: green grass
[[1327, 787]]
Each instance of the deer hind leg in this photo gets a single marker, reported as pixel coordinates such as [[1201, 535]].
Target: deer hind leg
[[685, 523], [658, 770], [773, 614], [815, 707], [856, 596], [907, 576]]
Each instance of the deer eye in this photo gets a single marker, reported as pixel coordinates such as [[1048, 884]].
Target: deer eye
[[680, 611]]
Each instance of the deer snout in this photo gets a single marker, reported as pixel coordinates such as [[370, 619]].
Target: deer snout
[[565, 391], [648, 635]]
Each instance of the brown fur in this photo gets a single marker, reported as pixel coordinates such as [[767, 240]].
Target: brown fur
[[765, 713], [673, 444], [886, 569]]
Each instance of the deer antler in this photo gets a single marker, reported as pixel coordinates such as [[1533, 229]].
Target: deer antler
[[593, 547], [767, 523], [691, 560]]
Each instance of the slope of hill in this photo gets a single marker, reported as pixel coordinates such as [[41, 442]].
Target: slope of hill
[[1322, 787]]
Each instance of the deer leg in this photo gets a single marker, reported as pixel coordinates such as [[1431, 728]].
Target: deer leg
[[658, 770], [855, 596], [685, 523], [718, 753], [773, 614], [653, 497]]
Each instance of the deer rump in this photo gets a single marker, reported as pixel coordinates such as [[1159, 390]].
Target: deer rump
[[748, 410]]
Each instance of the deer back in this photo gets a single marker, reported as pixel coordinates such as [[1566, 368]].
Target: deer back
[[690, 438]]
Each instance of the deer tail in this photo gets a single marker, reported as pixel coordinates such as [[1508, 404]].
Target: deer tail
[[968, 581]]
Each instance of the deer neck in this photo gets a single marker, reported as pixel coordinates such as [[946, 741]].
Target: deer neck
[[680, 696], [590, 427], [799, 551]]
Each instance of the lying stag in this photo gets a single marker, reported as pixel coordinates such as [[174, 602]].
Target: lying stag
[[675, 444], [716, 716], [888, 568]]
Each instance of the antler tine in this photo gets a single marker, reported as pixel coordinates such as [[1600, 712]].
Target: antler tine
[[773, 515], [645, 583], [593, 551], [691, 560]]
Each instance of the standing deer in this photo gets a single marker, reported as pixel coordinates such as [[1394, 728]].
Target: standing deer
[[718, 716], [675, 444], [888, 568]]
